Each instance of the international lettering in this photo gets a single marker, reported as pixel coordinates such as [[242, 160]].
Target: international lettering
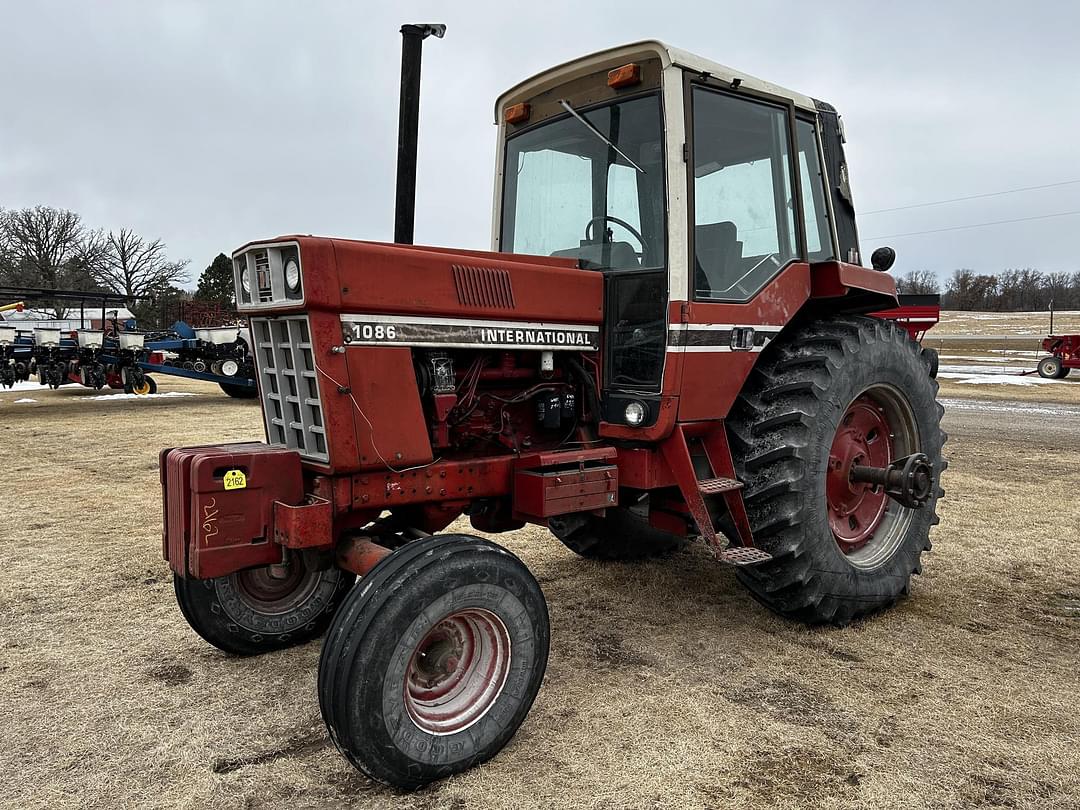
[[534, 337]]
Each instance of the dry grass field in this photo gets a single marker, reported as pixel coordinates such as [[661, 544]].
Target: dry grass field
[[668, 686], [994, 366], [1035, 324]]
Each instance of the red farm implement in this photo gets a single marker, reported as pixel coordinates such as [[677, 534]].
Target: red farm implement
[[1064, 351]]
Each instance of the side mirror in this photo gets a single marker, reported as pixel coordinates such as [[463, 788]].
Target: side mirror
[[882, 258]]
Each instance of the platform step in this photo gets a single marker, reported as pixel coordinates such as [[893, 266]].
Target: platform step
[[716, 486], [744, 555]]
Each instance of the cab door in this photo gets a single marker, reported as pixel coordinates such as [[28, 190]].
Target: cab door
[[750, 247]]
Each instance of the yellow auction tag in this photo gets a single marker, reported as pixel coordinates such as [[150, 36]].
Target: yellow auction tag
[[235, 479]]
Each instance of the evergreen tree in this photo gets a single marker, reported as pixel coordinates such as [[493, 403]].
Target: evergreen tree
[[216, 282]]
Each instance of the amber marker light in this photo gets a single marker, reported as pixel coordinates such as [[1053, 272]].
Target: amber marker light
[[624, 76], [517, 113]]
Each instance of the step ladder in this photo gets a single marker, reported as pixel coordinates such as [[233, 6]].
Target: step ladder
[[697, 492]]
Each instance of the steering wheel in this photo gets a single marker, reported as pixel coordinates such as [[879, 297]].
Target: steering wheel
[[617, 221]]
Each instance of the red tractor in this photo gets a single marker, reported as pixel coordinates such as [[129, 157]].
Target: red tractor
[[668, 340]]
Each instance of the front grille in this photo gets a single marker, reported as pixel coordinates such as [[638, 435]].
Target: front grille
[[264, 288], [290, 385]]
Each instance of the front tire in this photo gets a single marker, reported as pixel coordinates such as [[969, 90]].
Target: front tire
[[835, 393], [263, 609], [433, 663]]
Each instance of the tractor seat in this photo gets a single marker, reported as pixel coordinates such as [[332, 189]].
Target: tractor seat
[[718, 257], [591, 255]]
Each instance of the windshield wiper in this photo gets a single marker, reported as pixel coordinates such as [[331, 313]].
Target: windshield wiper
[[566, 106]]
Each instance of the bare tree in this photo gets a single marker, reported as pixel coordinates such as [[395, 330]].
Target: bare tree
[[45, 247], [918, 282], [1058, 290], [130, 265]]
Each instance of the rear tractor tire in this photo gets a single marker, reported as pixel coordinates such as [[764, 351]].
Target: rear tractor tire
[[433, 663], [1050, 368], [834, 394], [263, 609], [621, 534]]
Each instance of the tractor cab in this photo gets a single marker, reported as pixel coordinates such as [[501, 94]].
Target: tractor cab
[[687, 184]]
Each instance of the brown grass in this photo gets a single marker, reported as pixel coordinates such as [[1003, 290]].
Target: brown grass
[[995, 355], [1006, 323], [668, 686], [1060, 392]]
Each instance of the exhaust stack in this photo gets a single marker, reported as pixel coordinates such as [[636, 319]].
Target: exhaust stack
[[412, 43]]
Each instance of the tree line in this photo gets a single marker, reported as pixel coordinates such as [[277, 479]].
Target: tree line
[[53, 248], [1017, 290]]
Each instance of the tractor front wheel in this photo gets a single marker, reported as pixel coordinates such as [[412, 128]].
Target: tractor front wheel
[[835, 398], [262, 609], [430, 667]]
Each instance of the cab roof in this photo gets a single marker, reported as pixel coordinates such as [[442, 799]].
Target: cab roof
[[645, 49]]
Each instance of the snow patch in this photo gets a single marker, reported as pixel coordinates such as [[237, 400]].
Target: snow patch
[[25, 385], [24, 399], [996, 371], [966, 378], [118, 397], [984, 406]]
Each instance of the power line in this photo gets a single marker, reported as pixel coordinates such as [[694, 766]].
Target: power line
[[976, 225], [969, 197]]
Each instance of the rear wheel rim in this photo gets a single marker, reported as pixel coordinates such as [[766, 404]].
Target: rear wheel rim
[[877, 428], [457, 671]]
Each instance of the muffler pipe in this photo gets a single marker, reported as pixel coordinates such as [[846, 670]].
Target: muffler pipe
[[412, 44]]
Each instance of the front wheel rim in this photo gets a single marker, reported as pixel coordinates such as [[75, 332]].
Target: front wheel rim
[[457, 671], [275, 590], [877, 428]]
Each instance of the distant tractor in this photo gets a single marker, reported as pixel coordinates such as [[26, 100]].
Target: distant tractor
[[1064, 356], [669, 339]]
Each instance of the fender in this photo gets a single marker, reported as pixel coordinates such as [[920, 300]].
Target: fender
[[862, 289]]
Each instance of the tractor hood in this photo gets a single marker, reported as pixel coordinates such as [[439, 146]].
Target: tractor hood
[[345, 275]]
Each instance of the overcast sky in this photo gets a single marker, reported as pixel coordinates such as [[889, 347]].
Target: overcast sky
[[209, 124]]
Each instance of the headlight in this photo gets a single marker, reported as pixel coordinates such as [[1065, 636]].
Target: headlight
[[292, 275], [635, 414]]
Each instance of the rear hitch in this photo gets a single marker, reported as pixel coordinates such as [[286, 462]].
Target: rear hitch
[[909, 481]]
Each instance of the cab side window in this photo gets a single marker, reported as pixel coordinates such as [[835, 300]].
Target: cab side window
[[818, 228], [744, 213]]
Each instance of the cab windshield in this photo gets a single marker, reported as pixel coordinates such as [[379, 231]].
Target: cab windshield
[[568, 193]]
